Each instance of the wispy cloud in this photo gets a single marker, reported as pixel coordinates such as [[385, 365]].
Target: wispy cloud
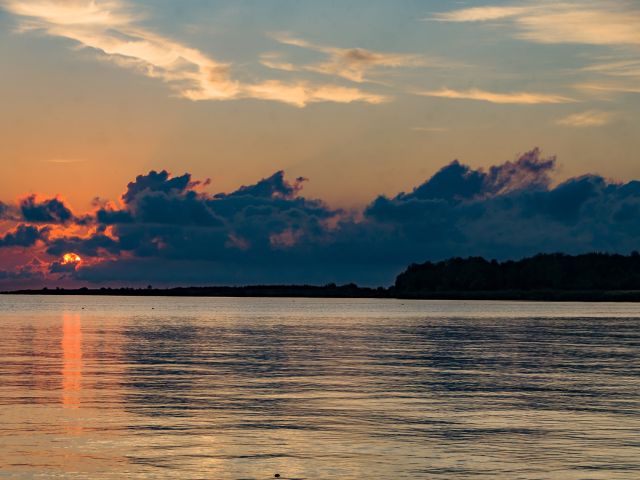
[[274, 60], [64, 161], [112, 28], [523, 98], [608, 87], [353, 64], [626, 73], [591, 118], [481, 14], [302, 93], [618, 68], [585, 22]]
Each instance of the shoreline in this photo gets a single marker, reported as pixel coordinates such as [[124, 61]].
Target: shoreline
[[348, 291]]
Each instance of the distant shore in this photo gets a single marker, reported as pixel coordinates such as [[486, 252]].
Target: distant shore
[[345, 291], [556, 277]]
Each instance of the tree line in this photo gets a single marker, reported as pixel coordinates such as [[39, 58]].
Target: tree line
[[555, 271]]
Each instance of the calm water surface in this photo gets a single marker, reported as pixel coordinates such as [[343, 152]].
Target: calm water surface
[[224, 388]]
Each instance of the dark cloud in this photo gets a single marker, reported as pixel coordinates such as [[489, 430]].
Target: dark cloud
[[169, 231], [156, 182], [59, 267], [24, 236], [460, 182], [46, 211], [94, 246], [274, 186], [110, 217], [510, 211], [22, 273]]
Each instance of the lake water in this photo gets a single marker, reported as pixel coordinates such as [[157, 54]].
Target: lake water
[[237, 388]]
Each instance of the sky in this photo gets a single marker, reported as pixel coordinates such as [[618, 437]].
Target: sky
[[236, 142]]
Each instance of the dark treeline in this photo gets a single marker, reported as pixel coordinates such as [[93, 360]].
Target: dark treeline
[[332, 290], [588, 277], [588, 272]]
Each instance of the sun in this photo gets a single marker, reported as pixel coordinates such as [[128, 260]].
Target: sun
[[68, 258]]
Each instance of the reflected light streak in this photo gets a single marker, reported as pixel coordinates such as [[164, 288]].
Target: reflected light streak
[[72, 360]]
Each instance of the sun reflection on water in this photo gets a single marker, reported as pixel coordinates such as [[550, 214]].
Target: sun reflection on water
[[72, 360]]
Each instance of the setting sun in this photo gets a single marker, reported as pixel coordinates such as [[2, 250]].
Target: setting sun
[[68, 258]]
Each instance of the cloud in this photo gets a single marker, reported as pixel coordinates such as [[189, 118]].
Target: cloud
[[510, 210], [591, 118], [481, 14], [95, 245], [582, 22], [274, 61], [350, 63], [608, 87], [157, 182], [164, 216], [275, 186], [24, 236], [302, 93], [585, 22], [521, 98], [65, 161], [29, 273], [626, 73], [459, 182], [111, 28], [169, 230], [50, 210], [618, 68]]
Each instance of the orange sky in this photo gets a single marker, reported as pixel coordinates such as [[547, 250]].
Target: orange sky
[[82, 122]]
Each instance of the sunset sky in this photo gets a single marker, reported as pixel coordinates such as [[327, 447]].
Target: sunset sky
[[356, 102]]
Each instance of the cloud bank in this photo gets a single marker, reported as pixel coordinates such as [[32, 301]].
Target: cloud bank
[[167, 230]]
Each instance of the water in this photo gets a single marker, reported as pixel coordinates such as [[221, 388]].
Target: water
[[226, 388]]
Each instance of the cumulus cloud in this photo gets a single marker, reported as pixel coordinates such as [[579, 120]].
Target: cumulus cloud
[[350, 63], [24, 236], [590, 118], [165, 217], [511, 210], [50, 210], [582, 22], [275, 186], [170, 230], [112, 28], [156, 182], [522, 98], [29, 273]]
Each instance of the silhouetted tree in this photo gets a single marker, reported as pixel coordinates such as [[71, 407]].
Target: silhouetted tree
[[557, 271]]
